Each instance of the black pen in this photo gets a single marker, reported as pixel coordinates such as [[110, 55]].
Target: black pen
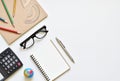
[[65, 50]]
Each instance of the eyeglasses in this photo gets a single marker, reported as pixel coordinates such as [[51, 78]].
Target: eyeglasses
[[39, 34]]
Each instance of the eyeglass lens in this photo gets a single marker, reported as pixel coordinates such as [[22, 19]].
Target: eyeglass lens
[[41, 34]]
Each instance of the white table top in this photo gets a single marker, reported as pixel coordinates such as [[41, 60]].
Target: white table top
[[90, 31]]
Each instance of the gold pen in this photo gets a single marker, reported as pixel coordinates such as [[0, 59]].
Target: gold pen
[[65, 50]]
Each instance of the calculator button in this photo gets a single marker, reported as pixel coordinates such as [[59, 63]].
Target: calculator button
[[11, 64], [16, 60], [13, 68], [3, 60], [8, 56], [5, 68], [11, 59], [19, 64], [11, 53], [8, 72], [6, 63], [16, 66], [7, 52], [8, 66], [1, 56]]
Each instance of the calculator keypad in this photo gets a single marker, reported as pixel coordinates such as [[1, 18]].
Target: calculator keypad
[[9, 63]]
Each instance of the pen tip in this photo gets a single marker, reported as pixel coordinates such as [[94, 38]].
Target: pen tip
[[56, 38], [13, 16], [73, 61], [6, 22], [18, 32], [13, 25]]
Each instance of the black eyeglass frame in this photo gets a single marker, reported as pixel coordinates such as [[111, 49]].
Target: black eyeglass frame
[[23, 44]]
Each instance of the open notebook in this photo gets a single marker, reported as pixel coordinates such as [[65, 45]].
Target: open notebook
[[28, 13], [50, 61]]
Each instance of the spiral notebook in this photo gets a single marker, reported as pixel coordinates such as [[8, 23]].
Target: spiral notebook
[[50, 62]]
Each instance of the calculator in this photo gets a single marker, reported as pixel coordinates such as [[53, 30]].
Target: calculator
[[9, 63]]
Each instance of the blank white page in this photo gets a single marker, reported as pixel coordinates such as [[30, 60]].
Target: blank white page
[[51, 61]]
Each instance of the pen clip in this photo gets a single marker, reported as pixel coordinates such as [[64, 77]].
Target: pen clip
[[61, 44]]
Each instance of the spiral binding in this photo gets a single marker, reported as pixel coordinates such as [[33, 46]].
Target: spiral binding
[[40, 68]]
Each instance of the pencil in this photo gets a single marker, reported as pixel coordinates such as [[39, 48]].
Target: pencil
[[9, 30], [14, 8], [6, 9], [3, 20]]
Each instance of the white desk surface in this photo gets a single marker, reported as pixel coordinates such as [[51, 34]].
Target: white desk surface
[[90, 32]]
